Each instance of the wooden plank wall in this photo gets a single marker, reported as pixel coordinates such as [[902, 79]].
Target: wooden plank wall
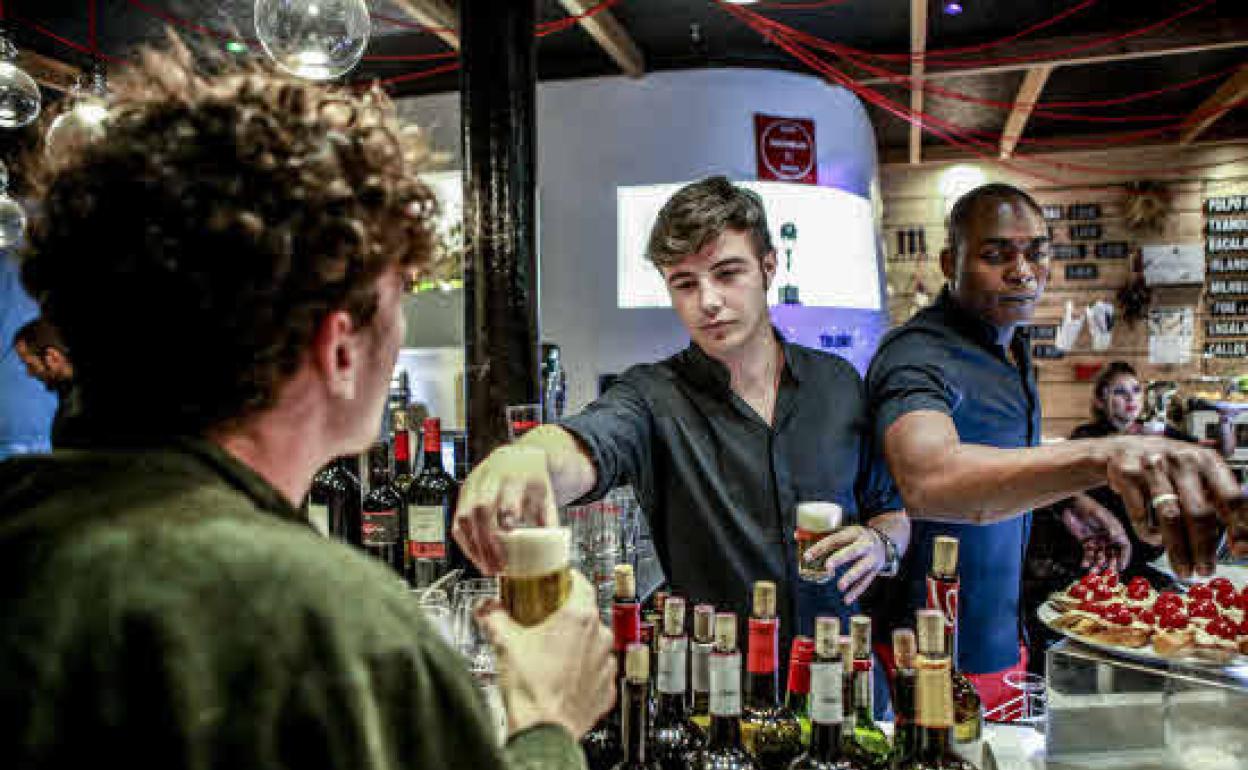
[[912, 198]]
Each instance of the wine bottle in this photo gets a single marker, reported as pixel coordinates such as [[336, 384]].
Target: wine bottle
[[933, 713], [602, 743], [635, 725], [700, 663], [797, 697], [654, 616], [674, 736], [430, 506], [769, 731], [379, 526], [401, 440], [826, 705], [942, 594], [334, 502], [846, 647], [866, 745], [905, 733], [723, 742]]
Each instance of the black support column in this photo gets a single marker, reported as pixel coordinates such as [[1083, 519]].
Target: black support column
[[498, 89]]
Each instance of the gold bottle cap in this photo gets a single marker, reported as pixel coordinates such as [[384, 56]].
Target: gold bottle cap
[[904, 648], [704, 623], [637, 663], [674, 616], [726, 631], [846, 646], [945, 556], [764, 599], [931, 625], [399, 420], [625, 583], [860, 633], [827, 636], [818, 517]]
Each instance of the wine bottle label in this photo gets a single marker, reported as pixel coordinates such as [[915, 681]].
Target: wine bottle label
[[426, 531], [764, 645], [625, 624], [826, 692], [379, 528], [673, 653], [934, 695], [726, 684], [701, 668], [318, 517]]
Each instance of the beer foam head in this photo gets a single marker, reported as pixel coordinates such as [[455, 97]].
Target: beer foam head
[[536, 551], [818, 517]]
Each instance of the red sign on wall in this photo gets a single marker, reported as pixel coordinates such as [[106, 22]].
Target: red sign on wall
[[785, 148]]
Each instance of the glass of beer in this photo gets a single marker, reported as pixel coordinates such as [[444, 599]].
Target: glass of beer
[[536, 579], [815, 521]]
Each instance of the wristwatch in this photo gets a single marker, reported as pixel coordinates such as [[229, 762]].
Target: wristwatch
[[892, 559]]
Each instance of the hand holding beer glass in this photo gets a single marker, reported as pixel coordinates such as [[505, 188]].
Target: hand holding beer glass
[[824, 547]]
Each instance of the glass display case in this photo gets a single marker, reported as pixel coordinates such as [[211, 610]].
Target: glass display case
[[1106, 711]]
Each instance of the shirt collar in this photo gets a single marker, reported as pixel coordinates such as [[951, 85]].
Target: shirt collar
[[975, 328], [238, 475], [712, 375]]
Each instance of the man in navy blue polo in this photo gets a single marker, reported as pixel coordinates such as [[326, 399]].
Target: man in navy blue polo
[[956, 409]]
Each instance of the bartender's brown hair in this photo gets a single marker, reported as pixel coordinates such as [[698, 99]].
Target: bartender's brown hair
[[700, 212], [189, 255]]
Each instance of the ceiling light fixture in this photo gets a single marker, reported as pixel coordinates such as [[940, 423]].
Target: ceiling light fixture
[[953, 7]]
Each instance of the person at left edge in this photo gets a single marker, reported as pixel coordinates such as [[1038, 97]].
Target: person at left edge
[[721, 441], [46, 357]]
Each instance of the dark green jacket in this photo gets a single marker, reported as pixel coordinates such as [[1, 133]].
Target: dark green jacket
[[168, 609]]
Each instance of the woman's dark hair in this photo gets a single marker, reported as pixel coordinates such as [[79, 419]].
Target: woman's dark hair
[[1112, 371], [189, 255]]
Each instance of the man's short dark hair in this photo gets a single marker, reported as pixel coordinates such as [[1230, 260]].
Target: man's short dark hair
[[966, 206], [699, 213], [189, 256], [38, 336]]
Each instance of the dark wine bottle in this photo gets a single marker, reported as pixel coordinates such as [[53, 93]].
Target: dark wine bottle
[[430, 506], [333, 505], [770, 732], [797, 699], [723, 742], [674, 736], [379, 519], [905, 732], [602, 743], [700, 663], [635, 724], [934, 699], [826, 704]]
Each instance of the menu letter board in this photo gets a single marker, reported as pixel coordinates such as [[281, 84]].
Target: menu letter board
[[1083, 271]]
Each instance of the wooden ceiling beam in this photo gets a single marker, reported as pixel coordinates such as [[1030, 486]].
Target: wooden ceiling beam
[[440, 16], [1024, 102], [46, 71], [897, 155], [1230, 94], [610, 35], [1220, 35], [918, 47]]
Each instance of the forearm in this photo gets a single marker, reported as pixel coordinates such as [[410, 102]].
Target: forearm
[[982, 485], [896, 526], [572, 472]]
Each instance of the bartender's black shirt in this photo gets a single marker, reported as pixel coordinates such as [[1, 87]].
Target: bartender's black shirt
[[720, 487]]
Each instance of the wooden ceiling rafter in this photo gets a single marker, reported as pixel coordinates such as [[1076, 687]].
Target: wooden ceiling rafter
[[1232, 92], [610, 35], [1028, 94], [440, 16], [918, 48]]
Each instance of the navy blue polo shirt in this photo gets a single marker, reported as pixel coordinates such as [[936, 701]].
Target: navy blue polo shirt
[[947, 360], [720, 486]]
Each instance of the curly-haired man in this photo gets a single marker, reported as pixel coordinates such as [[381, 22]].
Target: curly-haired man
[[247, 237]]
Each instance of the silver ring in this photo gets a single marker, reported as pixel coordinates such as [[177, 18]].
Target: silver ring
[[1168, 497]]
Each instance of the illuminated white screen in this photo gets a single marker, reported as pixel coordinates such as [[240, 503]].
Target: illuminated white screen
[[834, 254]]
